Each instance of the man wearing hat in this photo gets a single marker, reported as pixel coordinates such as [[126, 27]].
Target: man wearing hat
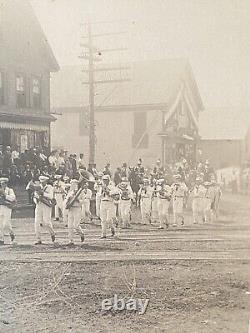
[[164, 197], [59, 194], [66, 187], [87, 194], [179, 190], [207, 201], [107, 195], [7, 198], [198, 194], [145, 194], [43, 198], [126, 196], [76, 197], [97, 188], [215, 193]]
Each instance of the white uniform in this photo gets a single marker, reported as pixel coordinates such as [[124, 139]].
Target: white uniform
[[97, 187], [207, 203], [125, 204], [179, 191], [74, 215], [107, 209], [59, 194], [155, 203], [145, 193], [43, 212], [215, 196], [198, 194], [86, 194], [164, 197], [65, 211], [5, 214]]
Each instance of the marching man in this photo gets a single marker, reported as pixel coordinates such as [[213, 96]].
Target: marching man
[[179, 189], [43, 198], [7, 201], [164, 197], [59, 193], [97, 188], [74, 201], [154, 201], [207, 201], [65, 211], [107, 206], [125, 201], [145, 195], [216, 193], [86, 194], [198, 194]]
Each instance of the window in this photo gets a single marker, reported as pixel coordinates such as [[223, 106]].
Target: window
[[20, 91], [1, 88], [36, 92], [140, 137]]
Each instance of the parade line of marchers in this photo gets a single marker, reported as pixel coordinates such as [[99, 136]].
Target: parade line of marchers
[[153, 194]]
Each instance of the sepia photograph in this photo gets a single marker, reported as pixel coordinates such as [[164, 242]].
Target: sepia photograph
[[124, 166]]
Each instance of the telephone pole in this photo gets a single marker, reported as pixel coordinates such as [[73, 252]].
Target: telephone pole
[[91, 100], [93, 55]]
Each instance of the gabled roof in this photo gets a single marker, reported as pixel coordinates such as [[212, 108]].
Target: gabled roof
[[22, 36], [224, 123], [151, 82]]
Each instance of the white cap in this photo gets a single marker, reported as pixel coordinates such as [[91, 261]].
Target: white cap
[[43, 178], [105, 177], [58, 176], [4, 180]]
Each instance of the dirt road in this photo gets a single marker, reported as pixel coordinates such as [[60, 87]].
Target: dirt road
[[197, 279]]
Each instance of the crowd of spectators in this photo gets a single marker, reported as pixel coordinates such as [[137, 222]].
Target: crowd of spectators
[[20, 168]]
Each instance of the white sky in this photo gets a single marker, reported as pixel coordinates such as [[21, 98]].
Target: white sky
[[213, 34]]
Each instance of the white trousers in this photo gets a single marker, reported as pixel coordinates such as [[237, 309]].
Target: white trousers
[[97, 205], [107, 215], [74, 219], [178, 208], [197, 208], [163, 207], [59, 205], [155, 213], [86, 208], [43, 217], [5, 221], [207, 208], [146, 210], [125, 206]]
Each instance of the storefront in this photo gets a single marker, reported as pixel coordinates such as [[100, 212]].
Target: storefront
[[25, 132]]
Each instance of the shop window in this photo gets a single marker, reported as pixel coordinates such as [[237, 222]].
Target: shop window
[[21, 91], [36, 92], [140, 137]]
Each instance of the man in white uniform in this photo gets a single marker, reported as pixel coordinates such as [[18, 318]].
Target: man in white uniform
[[145, 194], [59, 194], [97, 188], [75, 211], [107, 206], [198, 194], [179, 189], [86, 194], [126, 197], [7, 200], [43, 198], [164, 197]]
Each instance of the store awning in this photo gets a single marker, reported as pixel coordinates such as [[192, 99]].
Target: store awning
[[29, 127]]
